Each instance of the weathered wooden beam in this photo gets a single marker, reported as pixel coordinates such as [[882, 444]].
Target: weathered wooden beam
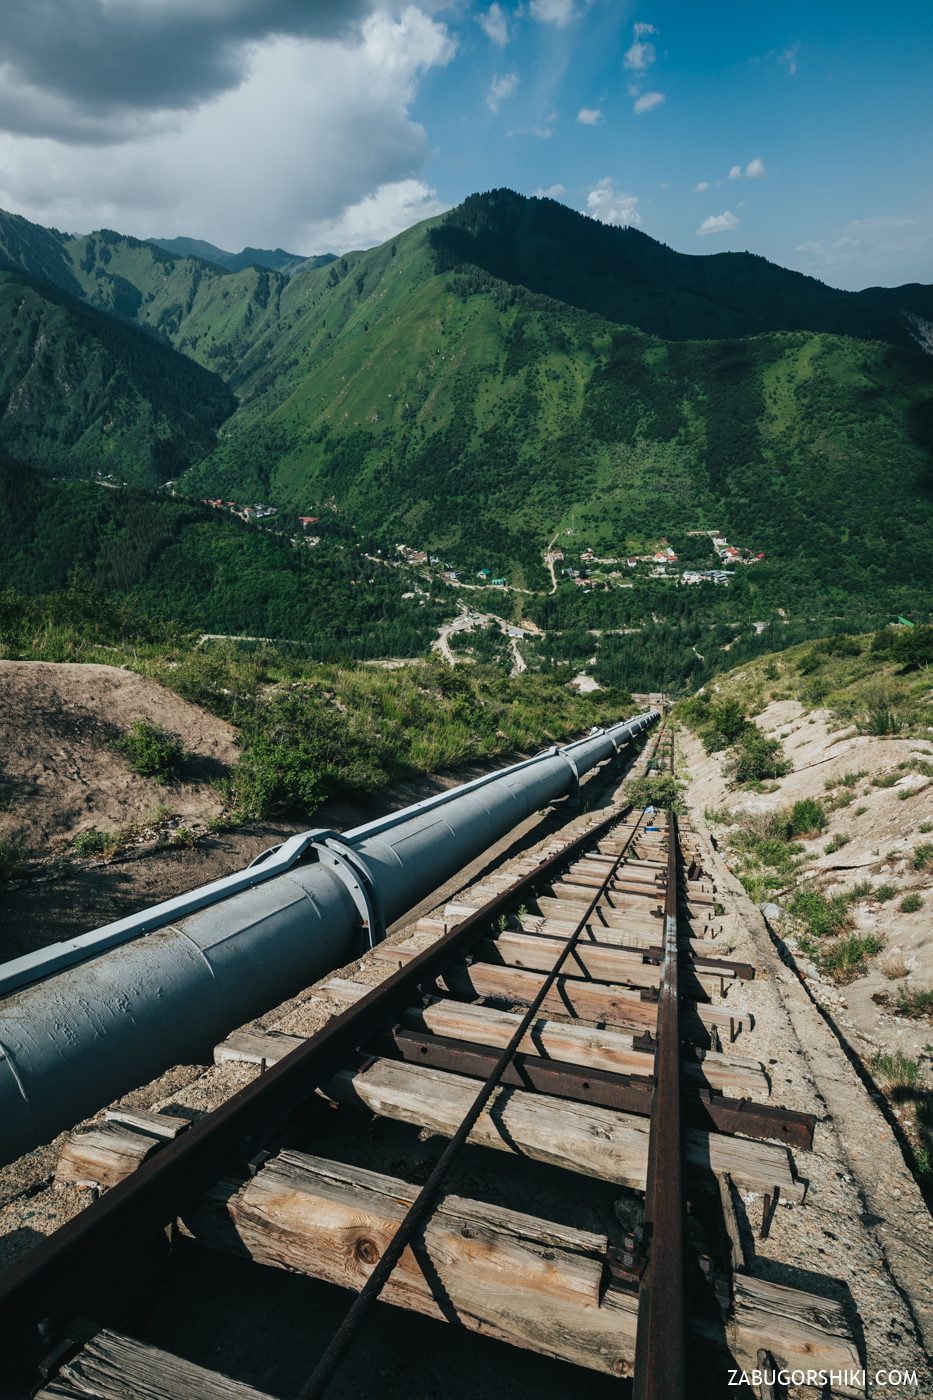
[[595, 1142], [801, 1330], [113, 1367], [565, 1040], [103, 1155], [529, 1282], [621, 1007], [254, 1047]]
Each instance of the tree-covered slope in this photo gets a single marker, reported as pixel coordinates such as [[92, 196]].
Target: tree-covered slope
[[469, 414], [81, 392], [276, 258], [623, 275], [180, 561]]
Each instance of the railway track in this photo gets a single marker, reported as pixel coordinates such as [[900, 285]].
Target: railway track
[[550, 1128]]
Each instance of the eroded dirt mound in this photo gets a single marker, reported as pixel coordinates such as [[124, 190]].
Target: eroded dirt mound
[[59, 771]]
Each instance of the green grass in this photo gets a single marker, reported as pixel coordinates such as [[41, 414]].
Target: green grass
[[807, 818], [915, 1001], [896, 1070], [923, 856], [12, 856], [837, 843], [822, 916], [96, 843], [845, 957], [153, 751]]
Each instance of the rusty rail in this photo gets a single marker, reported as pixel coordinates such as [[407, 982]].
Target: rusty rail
[[74, 1268], [418, 1215], [661, 1336]]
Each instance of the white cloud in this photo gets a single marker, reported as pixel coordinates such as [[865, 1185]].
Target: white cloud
[[376, 217], [788, 59], [701, 186], [589, 116], [718, 223], [640, 56], [647, 102], [641, 29], [552, 192], [755, 168], [557, 12], [501, 89], [610, 206], [317, 128], [735, 172], [495, 25]]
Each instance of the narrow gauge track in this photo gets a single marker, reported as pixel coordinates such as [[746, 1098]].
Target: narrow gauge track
[[593, 1039]]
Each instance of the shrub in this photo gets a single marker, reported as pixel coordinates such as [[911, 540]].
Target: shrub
[[846, 958], [915, 1001], [184, 836], [923, 856], [725, 723], [661, 790], [96, 843], [911, 903], [153, 751], [822, 917], [896, 1071], [806, 817], [837, 843], [885, 892], [758, 757], [12, 856]]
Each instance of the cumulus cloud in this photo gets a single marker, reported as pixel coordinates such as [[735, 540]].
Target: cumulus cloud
[[557, 12], [589, 116], [718, 223], [81, 70], [376, 217], [753, 171], [641, 29], [552, 192], [647, 102], [316, 136], [611, 206], [495, 25], [701, 186], [501, 89], [640, 56]]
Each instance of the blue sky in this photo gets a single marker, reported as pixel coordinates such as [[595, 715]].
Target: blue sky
[[837, 108], [799, 131]]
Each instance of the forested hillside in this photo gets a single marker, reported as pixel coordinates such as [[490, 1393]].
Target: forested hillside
[[181, 563], [514, 370], [84, 393]]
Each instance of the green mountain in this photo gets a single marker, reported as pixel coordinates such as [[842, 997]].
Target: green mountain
[[624, 276], [275, 258], [513, 368], [180, 562], [83, 393]]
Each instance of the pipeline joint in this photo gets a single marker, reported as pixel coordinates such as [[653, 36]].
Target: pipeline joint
[[345, 861]]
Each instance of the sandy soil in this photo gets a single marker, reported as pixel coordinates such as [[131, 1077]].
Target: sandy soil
[[60, 773], [881, 827]]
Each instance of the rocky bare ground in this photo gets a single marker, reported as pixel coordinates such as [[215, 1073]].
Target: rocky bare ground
[[878, 844]]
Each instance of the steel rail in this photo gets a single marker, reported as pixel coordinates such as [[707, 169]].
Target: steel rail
[[68, 1271], [422, 1207], [661, 1332]]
